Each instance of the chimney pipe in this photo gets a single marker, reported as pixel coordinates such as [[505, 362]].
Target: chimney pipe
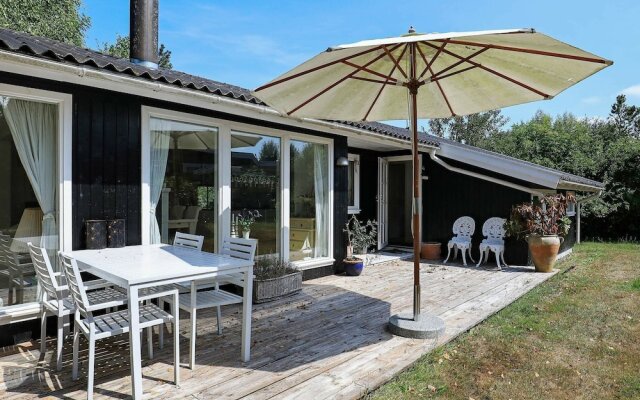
[[143, 35]]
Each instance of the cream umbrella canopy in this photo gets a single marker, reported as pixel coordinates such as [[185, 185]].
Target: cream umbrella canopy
[[435, 75]]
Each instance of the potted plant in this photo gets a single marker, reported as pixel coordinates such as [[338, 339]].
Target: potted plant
[[543, 225], [359, 238], [246, 218], [274, 279]]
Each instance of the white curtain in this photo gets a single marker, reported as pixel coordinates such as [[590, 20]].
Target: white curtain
[[321, 189], [160, 139], [33, 126]]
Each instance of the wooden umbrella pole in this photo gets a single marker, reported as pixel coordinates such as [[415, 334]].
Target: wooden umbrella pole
[[413, 86]]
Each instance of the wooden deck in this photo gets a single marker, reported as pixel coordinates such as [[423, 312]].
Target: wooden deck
[[327, 342]]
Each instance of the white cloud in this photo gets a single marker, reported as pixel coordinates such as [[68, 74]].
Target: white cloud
[[632, 91]]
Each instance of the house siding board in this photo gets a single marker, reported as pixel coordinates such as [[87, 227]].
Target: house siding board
[[340, 202]]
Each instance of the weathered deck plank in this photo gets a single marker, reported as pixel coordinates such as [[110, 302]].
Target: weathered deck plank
[[329, 341]]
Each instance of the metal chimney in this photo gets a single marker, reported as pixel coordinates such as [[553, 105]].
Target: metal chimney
[[143, 35]]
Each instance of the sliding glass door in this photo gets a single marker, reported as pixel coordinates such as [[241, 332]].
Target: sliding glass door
[[183, 181], [255, 189], [309, 201]]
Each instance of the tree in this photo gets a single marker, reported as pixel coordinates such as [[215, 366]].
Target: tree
[[56, 19], [472, 129], [120, 49], [269, 151], [626, 119]]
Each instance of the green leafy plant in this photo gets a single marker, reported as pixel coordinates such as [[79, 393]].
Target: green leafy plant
[[361, 236], [246, 218], [548, 216], [269, 267]]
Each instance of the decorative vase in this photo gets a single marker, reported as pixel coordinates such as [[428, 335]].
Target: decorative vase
[[544, 251], [353, 267], [431, 250], [96, 234], [245, 234], [116, 233]]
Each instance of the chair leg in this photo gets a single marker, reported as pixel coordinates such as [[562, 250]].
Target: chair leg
[[10, 300], [176, 341], [59, 343], [464, 257], [455, 252], [497, 254], [502, 257], [150, 342], [448, 254], [76, 345], [480, 260], [161, 327], [470, 256], [192, 344], [486, 256], [91, 369], [219, 318], [43, 332]]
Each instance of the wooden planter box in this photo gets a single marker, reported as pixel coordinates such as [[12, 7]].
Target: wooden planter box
[[275, 288]]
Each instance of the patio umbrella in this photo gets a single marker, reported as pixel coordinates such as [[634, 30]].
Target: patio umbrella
[[435, 75]]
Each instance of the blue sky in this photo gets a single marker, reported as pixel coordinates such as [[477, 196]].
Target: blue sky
[[248, 43]]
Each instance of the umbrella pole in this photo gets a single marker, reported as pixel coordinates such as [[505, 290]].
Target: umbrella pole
[[413, 86]]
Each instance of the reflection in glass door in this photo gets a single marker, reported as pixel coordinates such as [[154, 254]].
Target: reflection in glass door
[[255, 189]]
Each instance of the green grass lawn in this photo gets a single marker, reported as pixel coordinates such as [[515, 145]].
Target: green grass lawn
[[576, 336]]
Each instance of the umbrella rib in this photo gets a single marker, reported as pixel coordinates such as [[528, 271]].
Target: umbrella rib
[[452, 73], [396, 62], [499, 74], [530, 51], [336, 83], [444, 96], [369, 71], [319, 67], [375, 100], [461, 61], [360, 78], [426, 68]]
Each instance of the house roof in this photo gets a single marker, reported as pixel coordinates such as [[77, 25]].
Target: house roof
[[35, 46]]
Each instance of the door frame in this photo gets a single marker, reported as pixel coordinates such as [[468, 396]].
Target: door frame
[[383, 206]]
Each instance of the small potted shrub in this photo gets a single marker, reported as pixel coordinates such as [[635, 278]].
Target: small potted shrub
[[246, 218], [359, 237], [543, 225], [274, 279]]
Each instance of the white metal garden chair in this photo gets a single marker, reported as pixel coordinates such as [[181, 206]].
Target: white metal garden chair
[[244, 249], [463, 229], [19, 268], [111, 324], [493, 230], [55, 298]]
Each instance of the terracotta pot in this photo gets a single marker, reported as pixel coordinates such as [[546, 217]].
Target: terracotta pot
[[544, 251], [430, 250]]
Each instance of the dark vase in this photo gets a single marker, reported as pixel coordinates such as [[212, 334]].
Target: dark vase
[[353, 267], [116, 233], [96, 234]]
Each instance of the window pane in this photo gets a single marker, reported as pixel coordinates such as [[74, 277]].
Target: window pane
[[309, 202], [184, 170], [28, 200], [352, 170], [255, 190]]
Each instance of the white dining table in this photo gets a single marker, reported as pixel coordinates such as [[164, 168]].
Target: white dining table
[[139, 267]]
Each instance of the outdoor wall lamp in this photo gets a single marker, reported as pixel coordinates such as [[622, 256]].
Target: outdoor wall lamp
[[342, 162]]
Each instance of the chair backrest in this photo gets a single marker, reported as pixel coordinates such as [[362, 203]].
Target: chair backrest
[[464, 227], [187, 240], [244, 249], [493, 228], [3, 257], [192, 212], [8, 256], [76, 286], [44, 272]]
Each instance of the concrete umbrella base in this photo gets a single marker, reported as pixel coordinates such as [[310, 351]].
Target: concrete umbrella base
[[427, 327]]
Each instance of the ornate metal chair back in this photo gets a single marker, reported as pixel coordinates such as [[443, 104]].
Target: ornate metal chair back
[[464, 227]]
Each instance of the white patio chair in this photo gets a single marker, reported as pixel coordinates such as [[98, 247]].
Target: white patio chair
[[55, 298], [463, 229], [111, 324], [19, 268], [493, 230], [244, 249]]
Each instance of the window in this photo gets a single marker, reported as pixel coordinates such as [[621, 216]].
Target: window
[[255, 188], [183, 180], [571, 205], [309, 201], [354, 183], [29, 196]]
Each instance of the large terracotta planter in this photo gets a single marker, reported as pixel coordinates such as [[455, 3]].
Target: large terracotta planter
[[431, 250], [544, 251]]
